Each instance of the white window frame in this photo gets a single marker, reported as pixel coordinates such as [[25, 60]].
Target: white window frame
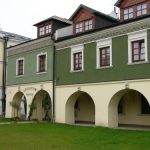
[[37, 67], [136, 36], [101, 44], [17, 60], [76, 49]]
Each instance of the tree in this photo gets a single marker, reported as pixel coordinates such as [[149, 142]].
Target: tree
[[46, 104], [16, 107]]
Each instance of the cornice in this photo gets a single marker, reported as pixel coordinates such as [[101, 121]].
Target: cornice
[[29, 46], [106, 33]]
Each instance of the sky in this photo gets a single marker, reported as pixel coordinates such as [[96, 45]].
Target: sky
[[19, 16]]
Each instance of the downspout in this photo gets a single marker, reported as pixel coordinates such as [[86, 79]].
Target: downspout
[[4, 77], [53, 76]]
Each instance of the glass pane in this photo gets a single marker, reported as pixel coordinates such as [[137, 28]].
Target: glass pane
[[143, 51], [86, 23], [136, 51], [136, 57], [90, 26], [143, 57], [144, 11], [139, 13], [130, 10], [136, 45], [108, 50], [125, 17], [126, 11], [144, 6], [139, 7], [131, 15]]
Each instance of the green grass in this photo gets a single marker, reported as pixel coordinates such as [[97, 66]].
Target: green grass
[[5, 120], [44, 136]]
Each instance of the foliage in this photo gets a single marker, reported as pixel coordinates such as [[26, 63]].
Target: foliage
[[16, 106], [46, 104], [32, 107]]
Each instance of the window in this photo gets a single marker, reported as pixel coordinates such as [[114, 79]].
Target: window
[[42, 63], [137, 47], [104, 53], [84, 26], [20, 67], [141, 9], [46, 29], [79, 27], [104, 56], [77, 58], [128, 13], [138, 51], [41, 31], [88, 25], [145, 108]]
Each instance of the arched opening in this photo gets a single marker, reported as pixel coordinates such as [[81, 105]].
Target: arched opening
[[128, 108], [80, 108], [40, 108], [19, 106]]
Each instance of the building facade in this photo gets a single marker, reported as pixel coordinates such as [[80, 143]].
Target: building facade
[[96, 71], [104, 79], [7, 39]]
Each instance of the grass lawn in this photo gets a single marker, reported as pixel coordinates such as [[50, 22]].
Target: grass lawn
[[44, 136]]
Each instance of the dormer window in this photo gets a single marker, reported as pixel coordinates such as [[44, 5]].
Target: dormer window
[[45, 29], [141, 9], [88, 25], [128, 13], [84, 26], [79, 27]]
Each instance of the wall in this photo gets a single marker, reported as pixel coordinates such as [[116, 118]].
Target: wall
[[120, 69], [30, 68]]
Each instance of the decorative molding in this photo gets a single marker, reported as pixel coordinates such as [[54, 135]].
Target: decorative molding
[[37, 44]]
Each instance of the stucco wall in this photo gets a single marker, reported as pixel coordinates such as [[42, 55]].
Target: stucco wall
[[106, 113], [29, 91]]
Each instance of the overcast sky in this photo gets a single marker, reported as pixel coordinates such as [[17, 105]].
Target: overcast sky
[[18, 16]]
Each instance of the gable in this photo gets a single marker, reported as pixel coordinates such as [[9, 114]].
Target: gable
[[128, 3], [82, 15]]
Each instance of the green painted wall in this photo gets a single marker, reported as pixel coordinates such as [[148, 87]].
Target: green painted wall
[[120, 70], [30, 75]]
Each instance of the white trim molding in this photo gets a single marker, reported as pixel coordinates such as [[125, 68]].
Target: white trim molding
[[17, 60], [76, 49], [107, 42], [37, 66], [136, 36]]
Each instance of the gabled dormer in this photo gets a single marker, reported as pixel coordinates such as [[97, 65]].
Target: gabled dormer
[[85, 19], [131, 9], [49, 26]]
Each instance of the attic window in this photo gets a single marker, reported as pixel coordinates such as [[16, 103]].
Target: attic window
[[45, 29], [141, 9], [128, 13], [84, 26]]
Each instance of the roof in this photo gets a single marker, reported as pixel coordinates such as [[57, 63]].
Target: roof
[[100, 29], [93, 11], [13, 36], [118, 3], [64, 20]]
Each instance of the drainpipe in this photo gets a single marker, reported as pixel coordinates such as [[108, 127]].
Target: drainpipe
[[4, 76], [53, 76]]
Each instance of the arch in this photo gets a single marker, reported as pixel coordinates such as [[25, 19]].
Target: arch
[[41, 106], [132, 101], [19, 105], [80, 108]]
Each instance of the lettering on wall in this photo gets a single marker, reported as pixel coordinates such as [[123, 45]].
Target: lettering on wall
[[30, 91]]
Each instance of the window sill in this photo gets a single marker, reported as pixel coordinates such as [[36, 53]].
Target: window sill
[[72, 71], [19, 76], [104, 67], [138, 63], [41, 72]]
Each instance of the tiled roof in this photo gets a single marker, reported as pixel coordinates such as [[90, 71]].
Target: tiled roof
[[13, 36], [118, 3], [55, 18]]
